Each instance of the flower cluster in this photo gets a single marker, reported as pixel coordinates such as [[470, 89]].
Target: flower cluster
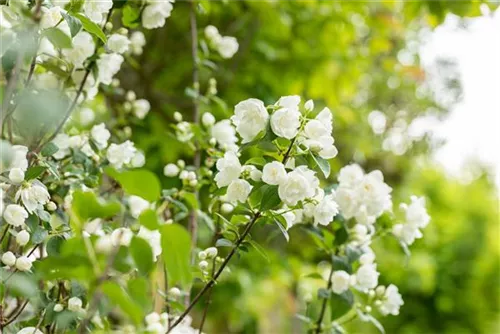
[[226, 46], [416, 218]]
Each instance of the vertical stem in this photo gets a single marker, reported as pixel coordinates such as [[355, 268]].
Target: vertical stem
[[193, 219], [323, 306]]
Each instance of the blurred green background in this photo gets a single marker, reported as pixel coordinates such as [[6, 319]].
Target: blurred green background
[[344, 55]]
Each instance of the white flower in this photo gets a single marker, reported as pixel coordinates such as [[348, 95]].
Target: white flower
[[50, 17], [315, 130], [207, 119], [138, 160], [121, 236], [141, 108], [298, 185], [350, 176], [47, 80], [325, 210], [19, 159], [212, 34], [87, 116], [211, 252], [227, 46], [154, 15], [407, 233], [416, 213], [33, 196], [239, 190], [250, 118], [137, 205], [152, 318], [153, 238], [273, 173], [30, 330], [367, 258], [23, 237], [118, 43], [325, 117], [137, 42], [58, 308], [285, 122], [9, 259], [83, 47], [227, 208], [16, 175], [95, 10], [62, 142], [367, 277], [391, 301], [309, 105], [100, 135], [15, 215], [229, 168], [75, 304], [340, 281], [119, 155], [108, 64], [225, 135], [23, 263], [171, 170], [289, 102], [104, 244]]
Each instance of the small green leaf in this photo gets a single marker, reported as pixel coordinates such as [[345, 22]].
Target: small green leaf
[[49, 149], [142, 254], [323, 165], [59, 39], [91, 27], [191, 200], [34, 172], [176, 252], [54, 245], [223, 243], [139, 182], [259, 249], [149, 220], [138, 289], [74, 24], [206, 219], [86, 206], [120, 298], [340, 304], [314, 275], [131, 16], [341, 263], [323, 293], [270, 199], [281, 222]]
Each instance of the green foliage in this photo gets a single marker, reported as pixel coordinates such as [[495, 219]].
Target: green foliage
[[91, 27], [176, 245], [139, 182]]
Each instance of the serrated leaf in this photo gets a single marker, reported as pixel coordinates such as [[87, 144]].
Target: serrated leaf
[[49, 149], [59, 39], [142, 254], [34, 172], [91, 27], [176, 252], [270, 199], [74, 24]]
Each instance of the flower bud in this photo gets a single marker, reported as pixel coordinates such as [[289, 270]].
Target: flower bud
[[108, 26], [9, 259], [169, 221], [181, 163], [309, 105], [178, 116], [211, 252], [171, 170], [23, 237], [75, 304], [51, 206], [368, 309], [123, 31], [16, 175], [207, 119], [203, 265], [174, 292], [115, 83], [380, 290], [58, 308], [23, 263], [202, 255], [227, 208], [212, 142], [130, 96]]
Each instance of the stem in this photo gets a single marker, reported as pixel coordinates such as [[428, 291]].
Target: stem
[[209, 298], [212, 282], [287, 154], [193, 217], [9, 90], [15, 315], [79, 92], [323, 306]]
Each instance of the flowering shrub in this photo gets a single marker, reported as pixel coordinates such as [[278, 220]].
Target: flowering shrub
[[89, 239]]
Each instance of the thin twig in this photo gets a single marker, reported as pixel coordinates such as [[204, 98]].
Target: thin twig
[[325, 300], [212, 282], [15, 315], [11, 87]]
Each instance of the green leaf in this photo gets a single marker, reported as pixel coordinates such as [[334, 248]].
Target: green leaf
[[223, 243], [139, 182], [119, 3], [259, 249], [149, 220], [38, 235], [74, 24], [191, 200], [206, 219], [270, 199], [176, 246], [314, 275], [341, 263], [86, 206], [281, 222], [142, 254], [54, 245], [340, 304], [34, 172], [257, 161], [370, 318], [324, 293], [91, 27], [138, 289], [49, 149], [130, 16], [59, 39], [323, 165], [117, 296]]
